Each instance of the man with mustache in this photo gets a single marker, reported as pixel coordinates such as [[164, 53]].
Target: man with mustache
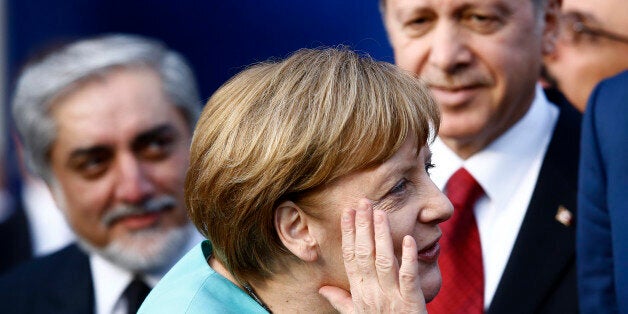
[[107, 123], [513, 250]]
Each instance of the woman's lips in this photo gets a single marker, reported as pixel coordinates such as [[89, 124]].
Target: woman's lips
[[430, 254]]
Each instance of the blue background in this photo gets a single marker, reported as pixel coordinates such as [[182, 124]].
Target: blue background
[[219, 38]]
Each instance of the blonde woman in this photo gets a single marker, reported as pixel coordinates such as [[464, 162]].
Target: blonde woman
[[309, 178]]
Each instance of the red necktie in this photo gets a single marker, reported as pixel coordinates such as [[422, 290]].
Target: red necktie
[[461, 259]]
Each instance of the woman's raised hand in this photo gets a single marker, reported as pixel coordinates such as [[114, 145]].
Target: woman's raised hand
[[378, 283]]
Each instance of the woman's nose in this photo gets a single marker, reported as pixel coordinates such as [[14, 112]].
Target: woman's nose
[[439, 208]]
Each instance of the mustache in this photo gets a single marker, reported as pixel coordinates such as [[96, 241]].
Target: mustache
[[458, 80], [151, 205]]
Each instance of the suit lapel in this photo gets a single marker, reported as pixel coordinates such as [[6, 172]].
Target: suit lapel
[[73, 292], [544, 252]]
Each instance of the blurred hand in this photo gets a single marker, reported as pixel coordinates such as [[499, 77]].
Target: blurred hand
[[378, 284]]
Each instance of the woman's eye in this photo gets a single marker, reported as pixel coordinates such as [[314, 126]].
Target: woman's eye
[[428, 166], [396, 197], [399, 188]]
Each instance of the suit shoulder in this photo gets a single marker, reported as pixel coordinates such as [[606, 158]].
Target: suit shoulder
[[609, 97], [617, 83], [42, 268], [60, 283]]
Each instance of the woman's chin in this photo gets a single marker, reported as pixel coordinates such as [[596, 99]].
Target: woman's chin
[[430, 284], [430, 294]]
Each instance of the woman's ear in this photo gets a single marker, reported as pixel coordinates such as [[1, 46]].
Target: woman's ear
[[293, 228]]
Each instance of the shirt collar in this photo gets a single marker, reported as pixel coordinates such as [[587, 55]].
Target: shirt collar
[[109, 283], [110, 280], [513, 152]]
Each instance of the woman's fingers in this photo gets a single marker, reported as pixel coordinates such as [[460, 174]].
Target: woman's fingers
[[409, 281], [385, 260], [342, 300], [364, 244], [348, 231], [377, 282]]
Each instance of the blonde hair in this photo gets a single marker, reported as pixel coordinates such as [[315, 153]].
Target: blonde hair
[[280, 130]]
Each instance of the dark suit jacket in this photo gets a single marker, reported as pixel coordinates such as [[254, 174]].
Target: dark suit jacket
[[603, 200], [540, 275], [57, 283], [15, 239]]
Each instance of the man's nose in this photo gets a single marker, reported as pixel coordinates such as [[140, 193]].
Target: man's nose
[[134, 184], [449, 50]]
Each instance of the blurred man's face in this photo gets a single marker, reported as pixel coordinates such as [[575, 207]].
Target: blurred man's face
[[119, 163], [481, 59], [593, 45]]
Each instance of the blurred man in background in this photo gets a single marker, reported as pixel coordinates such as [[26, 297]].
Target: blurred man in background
[[592, 45], [506, 157], [602, 200], [106, 122]]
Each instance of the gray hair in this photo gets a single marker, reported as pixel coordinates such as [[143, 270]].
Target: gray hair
[[60, 71]]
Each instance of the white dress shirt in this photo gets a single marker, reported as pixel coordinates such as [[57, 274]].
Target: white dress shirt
[[110, 280], [507, 169], [48, 228]]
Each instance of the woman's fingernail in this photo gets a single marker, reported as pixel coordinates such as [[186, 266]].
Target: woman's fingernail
[[407, 241], [345, 215]]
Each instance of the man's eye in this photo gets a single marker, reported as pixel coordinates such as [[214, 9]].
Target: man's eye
[[585, 34], [483, 23], [419, 25], [156, 148], [418, 21], [92, 167], [479, 18]]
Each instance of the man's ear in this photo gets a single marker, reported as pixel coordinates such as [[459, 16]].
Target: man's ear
[[294, 230], [552, 26]]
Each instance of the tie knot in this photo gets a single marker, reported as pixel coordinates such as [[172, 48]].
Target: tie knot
[[135, 294], [462, 189]]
